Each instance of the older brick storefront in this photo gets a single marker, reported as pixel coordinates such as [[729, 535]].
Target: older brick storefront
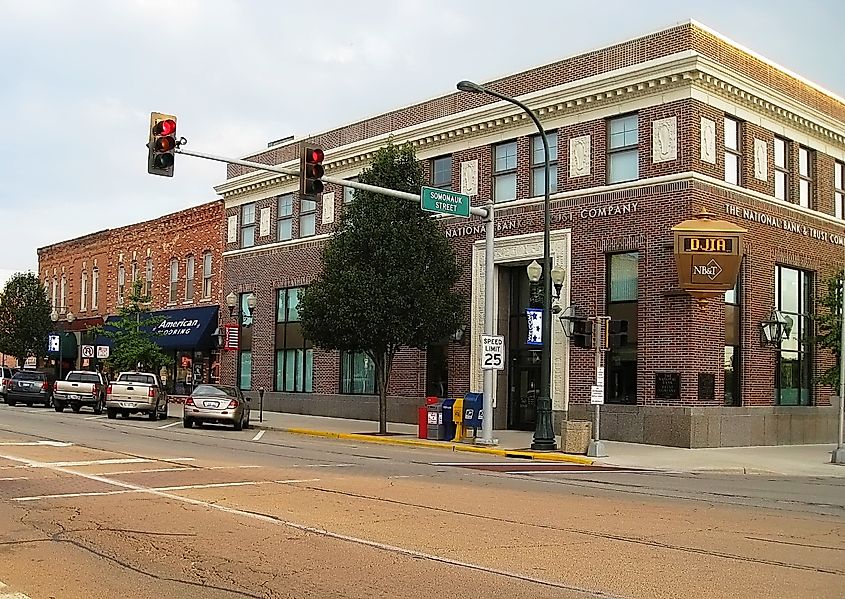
[[646, 134]]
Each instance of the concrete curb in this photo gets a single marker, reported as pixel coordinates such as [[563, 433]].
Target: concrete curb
[[508, 453]]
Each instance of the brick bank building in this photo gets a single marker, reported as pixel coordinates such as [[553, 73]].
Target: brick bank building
[[644, 134]]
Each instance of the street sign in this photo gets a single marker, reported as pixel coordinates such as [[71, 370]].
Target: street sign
[[87, 351], [53, 343], [596, 395], [493, 352], [444, 202], [600, 377], [102, 352]]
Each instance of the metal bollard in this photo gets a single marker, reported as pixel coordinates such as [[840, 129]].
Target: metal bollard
[[261, 404]]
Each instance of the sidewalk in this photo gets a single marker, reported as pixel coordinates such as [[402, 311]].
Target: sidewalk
[[784, 460]]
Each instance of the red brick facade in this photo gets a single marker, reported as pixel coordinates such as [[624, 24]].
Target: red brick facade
[[675, 335]]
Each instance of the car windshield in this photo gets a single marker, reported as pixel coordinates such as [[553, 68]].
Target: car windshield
[[83, 377], [215, 391], [29, 376], [146, 379]]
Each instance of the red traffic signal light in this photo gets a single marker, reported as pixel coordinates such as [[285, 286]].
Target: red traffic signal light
[[162, 144], [311, 170]]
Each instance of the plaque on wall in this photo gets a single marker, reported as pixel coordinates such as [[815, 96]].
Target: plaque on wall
[[706, 386], [667, 385]]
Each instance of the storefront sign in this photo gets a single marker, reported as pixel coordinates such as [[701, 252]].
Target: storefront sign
[[784, 224], [231, 336]]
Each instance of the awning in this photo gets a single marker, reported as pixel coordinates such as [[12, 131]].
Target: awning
[[68, 346], [185, 328]]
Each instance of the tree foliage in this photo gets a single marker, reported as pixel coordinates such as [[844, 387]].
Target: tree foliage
[[24, 317], [388, 274], [829, 321], [133, 347]]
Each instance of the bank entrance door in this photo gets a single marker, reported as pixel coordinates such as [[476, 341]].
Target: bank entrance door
[[523, 358]]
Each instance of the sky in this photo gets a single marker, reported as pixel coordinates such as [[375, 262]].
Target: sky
[[79, 80]]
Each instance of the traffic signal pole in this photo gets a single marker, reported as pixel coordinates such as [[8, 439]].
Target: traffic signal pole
[[601, 336], [489, 230]]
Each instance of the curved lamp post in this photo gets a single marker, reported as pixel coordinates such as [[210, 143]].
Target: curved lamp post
[[544, 436]]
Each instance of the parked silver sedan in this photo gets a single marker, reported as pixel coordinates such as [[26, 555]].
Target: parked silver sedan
[[217, 404]]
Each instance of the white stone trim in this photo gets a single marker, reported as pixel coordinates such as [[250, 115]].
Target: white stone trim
[[276, 245]]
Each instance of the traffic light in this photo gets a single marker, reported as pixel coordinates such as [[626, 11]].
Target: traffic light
[[582, 332], [310, 171], [162, 144], [617, 334]]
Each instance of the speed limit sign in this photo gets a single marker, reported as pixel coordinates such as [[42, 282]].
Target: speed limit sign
[[493, 352]]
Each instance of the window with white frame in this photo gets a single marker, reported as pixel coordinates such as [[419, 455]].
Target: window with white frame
[[63, 297], [134, 271], [284, 212], [504, 172], [349, 192], [441, 172], [538, 164], [95, 288], [307, 217], [189, 278], [148, 287], [623, 156], [839, 190], [206, 275], [805, 177], [174, 280], [55, 294], [733, 155], [248, 225], [781, 169], [121, 284], [83, 292]]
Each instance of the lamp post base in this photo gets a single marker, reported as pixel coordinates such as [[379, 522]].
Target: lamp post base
[[544, 434], [596, 449], [837, 456]]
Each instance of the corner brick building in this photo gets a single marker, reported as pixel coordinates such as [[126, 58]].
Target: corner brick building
[[645, 134], [177, 257]]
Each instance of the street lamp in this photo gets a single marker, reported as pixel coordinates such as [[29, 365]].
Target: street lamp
[[777, 328], [544, 436], [232, 302], [55, 316]]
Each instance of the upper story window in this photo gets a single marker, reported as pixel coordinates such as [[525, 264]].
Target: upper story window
[[733, 156], [623, 155], [95, 288], [839, 190], [441, 173], [538, 164], [174, 280], [349, 192], [121, 284], [83, 292], [307, 217], [63, 297], [189, 278], [284, 214], [781, 169], [55, 294], [504, 172], [248, 225], [134, 271], [148, 276], [805, 177], [206, 275]]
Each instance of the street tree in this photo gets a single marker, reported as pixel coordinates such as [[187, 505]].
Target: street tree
[[24, 317], [388, 274], [829, 320], [132, 345]]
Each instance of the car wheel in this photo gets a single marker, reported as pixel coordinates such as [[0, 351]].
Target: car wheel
[[111, 413], [98, 407], [58, 406], [187, 423], [11, 402], [239, 425], [76, 407]]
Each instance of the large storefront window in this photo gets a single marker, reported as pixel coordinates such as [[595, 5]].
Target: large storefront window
[[294, 355], [357, 374], [793, 377], [245, 352], [732, 346], [622, 294]]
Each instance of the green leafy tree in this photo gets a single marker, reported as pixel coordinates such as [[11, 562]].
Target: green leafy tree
[[132, 346], [24, 317], [829, 321], [388, 274]]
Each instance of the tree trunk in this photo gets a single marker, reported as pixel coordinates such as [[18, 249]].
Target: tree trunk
[[383, 372]]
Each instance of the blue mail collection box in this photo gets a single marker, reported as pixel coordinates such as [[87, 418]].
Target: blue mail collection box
[[473, 410]]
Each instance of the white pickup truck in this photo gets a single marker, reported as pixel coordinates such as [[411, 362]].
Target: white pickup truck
[[80, 388], [136, 392]]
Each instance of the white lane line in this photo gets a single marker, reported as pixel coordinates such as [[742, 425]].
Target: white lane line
[[231, 467], [90, 462], [319, 466], [177, 469], [95, 417], [171, 424], [15, 478], [159, 489], [35, 444], [325, 533], [258, 435]]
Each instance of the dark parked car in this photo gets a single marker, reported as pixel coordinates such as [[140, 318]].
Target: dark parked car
[[30, 387]]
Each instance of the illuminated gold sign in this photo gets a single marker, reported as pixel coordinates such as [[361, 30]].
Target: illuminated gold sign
[[708, 252]]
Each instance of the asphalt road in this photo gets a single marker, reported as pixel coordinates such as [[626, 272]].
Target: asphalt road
[[91, 507]]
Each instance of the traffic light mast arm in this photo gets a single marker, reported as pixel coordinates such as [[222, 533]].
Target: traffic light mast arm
[[402, 195]]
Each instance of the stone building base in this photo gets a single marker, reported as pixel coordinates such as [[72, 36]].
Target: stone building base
[[360, 407], [713, 427]]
